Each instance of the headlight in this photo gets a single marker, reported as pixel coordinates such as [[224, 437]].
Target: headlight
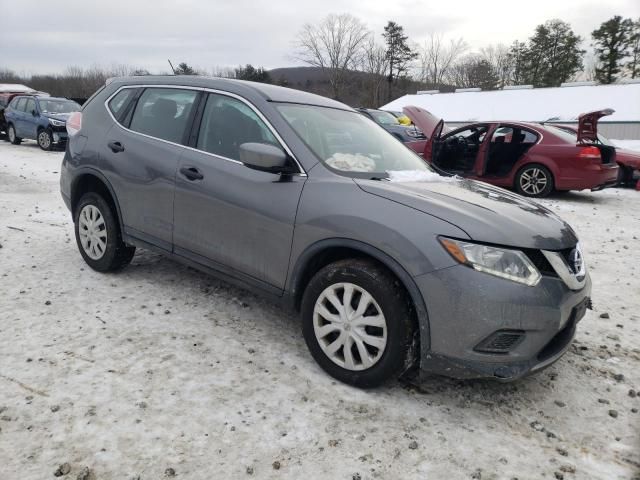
[[502, 262], [56, 123]]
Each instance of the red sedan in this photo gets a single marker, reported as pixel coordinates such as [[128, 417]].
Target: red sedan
[[533, 159]]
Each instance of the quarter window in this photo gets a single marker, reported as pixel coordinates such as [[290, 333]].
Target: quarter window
[[227, 123], [163, 113], [117, 103]]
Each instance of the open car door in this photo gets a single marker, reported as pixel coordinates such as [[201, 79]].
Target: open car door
[[430, 125], [588, 125]]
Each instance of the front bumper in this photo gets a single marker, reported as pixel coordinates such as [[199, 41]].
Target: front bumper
[[466, 307]]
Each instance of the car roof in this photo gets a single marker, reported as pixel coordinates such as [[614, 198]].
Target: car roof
[[269, 92]]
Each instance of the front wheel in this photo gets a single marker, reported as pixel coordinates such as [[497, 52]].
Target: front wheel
[[534, 181], [45, 140], [357, 322], [13, 138], [98, 235]]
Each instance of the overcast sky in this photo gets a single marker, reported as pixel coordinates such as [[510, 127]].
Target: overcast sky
[[205, 34]]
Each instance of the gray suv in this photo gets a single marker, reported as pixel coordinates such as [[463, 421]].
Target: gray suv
[[393, 268]]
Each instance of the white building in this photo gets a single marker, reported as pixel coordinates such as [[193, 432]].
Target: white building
[[562, 104]]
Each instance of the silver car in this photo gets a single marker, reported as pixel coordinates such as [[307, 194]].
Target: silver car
[[395, 269]]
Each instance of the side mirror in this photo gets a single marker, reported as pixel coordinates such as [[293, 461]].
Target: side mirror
[[34, 113], [265, 157]]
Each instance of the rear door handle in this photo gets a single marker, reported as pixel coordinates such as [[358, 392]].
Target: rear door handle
[[116, 147], [191, 173]]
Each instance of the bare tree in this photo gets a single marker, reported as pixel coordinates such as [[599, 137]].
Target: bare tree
[[497, 56], [333, 45], [437, 58], [374, 63]]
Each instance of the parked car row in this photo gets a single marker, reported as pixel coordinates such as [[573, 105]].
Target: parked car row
[[36, 116]]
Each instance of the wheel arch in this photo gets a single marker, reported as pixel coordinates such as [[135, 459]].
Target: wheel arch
[[89, 180], [327, 251]]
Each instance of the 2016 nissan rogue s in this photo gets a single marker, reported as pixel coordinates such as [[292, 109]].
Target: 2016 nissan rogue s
[[392, 266]]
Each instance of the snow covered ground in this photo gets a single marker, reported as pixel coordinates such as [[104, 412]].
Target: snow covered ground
[[162, 371]]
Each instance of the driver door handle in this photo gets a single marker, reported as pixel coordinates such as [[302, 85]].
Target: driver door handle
[[116, 147], [191, 173]]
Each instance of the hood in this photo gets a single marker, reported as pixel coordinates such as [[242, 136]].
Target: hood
[[424, 120], [588, 125], [486, 213]]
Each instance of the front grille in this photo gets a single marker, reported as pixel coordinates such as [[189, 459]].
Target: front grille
[[541, 263], [502, 342]]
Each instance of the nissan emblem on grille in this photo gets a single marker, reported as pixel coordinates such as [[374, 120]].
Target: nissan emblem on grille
[[576, 260]]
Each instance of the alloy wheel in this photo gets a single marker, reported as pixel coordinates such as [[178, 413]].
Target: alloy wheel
[[533, 181], [44, 140], [350, 326], [92, 231]]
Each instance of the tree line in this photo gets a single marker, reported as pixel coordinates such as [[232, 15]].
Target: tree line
[[553, 54], [362, 68]]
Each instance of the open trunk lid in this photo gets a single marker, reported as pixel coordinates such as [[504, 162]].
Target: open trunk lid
[[588, 125]]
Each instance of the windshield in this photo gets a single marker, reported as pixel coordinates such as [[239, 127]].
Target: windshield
[[383, 118], [348, 143], [58, 106]]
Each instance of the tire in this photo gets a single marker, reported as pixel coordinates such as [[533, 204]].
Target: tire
[[525, 185], [625, 176], [45, 140], [392, 334], [109, 252], [11, 135]]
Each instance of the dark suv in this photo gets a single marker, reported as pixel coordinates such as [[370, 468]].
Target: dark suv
[[40, 118], [391, 265]]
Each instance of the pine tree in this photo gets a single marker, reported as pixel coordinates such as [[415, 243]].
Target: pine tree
[[611, 43], [184, 69], [398, 52], [249, 72], [633, 65], [553, 55]]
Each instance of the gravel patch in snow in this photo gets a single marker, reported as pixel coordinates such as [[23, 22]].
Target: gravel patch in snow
[[160, 371]]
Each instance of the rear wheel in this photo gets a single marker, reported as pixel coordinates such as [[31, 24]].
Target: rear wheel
[[11, 134], [534, 181], [357, 322], [45, 140], [98, 235]]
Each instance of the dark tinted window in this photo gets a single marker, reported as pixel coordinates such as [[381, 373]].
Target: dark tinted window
[[227, 123], [119, 102], [31, 105], [163, 113], [20, 104]]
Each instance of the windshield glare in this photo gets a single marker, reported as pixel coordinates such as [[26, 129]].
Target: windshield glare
[[384, 118], [58, 106], [348, 143]]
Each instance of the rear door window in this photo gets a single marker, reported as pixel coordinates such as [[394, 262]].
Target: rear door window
[[20, 104], [227, 123], [163, 113]]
